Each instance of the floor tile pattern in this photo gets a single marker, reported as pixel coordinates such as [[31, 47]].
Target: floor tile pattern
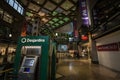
[[83, 70]]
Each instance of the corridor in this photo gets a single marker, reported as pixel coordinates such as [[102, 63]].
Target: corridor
[[70, 69]]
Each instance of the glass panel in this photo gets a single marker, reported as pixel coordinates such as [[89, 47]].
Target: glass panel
[[57, 24], [66, 19], [16, 5], [19, 9], [55, 19], [11, 2], [61, 22], [67, 5]]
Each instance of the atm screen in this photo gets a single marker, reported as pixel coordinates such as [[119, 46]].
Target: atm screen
[[29, 62], [26, 69]]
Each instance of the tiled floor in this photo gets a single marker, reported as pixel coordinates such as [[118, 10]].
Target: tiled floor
[[71, 69]]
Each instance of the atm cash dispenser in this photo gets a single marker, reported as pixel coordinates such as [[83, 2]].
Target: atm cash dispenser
[[33, 60]]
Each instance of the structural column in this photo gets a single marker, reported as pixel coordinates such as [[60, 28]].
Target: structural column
[[93, 51]]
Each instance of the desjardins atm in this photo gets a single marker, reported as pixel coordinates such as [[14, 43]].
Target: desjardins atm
[[35, 58]]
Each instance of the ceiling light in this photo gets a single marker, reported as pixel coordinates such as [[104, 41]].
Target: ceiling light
[[38, 2], [56, 34], [10, 35], [44, 19], [41, 13]]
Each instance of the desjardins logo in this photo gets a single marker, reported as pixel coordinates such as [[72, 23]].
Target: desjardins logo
[[24, 40]]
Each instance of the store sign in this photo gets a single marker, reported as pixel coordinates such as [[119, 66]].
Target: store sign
[[84, 12], [109, 47], [28, 40], [84, 37]]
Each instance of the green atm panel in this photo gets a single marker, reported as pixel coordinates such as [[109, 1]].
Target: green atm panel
[[34, 41]]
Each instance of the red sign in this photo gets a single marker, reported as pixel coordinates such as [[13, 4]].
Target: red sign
[[83, 37], [108, 47]]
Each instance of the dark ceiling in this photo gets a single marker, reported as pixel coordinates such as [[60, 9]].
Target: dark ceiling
[[53, 13]]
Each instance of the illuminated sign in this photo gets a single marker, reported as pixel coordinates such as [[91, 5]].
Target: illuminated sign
[[24, 40], [84, 12], [84, 37]]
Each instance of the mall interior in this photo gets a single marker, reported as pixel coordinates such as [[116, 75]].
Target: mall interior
[[59, 39]]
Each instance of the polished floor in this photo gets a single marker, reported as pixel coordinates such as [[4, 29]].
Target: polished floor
[[82, 69]]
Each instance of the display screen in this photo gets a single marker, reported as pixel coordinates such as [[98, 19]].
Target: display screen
[[62, 48], [29, 62], [26, 69]]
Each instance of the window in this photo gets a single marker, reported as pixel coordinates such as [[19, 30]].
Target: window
[[19, 8], [11, 2], [16, 6]]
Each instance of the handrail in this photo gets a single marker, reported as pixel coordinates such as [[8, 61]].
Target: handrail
[[7, 70]]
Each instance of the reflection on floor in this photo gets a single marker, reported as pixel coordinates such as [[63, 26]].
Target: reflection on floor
[[58, 75], [84, 70]]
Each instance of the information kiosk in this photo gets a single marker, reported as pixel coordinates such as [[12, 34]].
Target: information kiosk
[[35, 58]]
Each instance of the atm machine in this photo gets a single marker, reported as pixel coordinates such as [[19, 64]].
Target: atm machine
[[34, 59], [27, 69], [30, 62]]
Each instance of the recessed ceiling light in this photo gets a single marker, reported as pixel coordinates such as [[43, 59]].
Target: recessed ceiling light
[[38, 2], [41, 13]]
